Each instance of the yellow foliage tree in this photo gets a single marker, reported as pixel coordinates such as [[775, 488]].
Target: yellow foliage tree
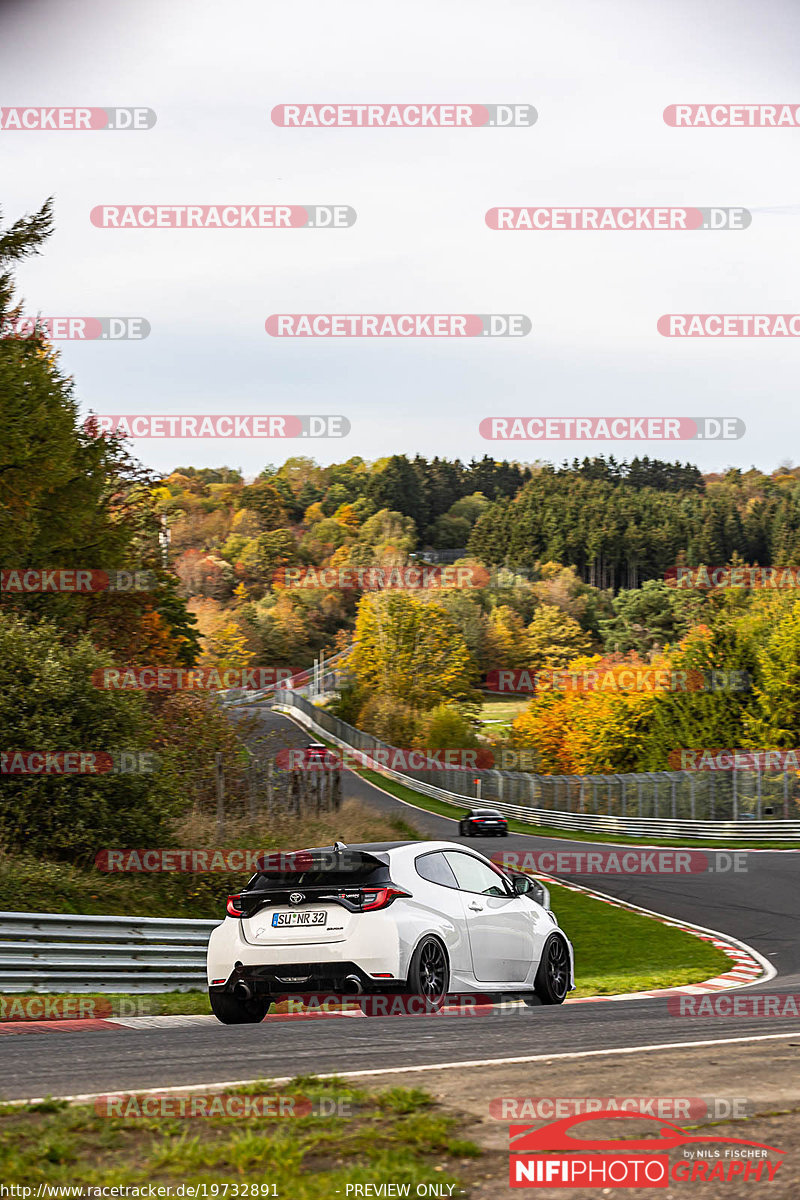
[[411, 650]]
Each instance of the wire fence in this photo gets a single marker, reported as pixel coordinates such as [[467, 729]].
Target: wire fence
[[752, 800], [257, 790]]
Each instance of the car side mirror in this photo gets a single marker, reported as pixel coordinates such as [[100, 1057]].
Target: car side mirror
[[526, 885]]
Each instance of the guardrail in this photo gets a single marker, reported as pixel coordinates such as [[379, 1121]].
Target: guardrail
[[66, 952], [622, 796]]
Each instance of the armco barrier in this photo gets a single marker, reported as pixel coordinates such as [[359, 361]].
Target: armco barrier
[[55, 952], [610, 804]]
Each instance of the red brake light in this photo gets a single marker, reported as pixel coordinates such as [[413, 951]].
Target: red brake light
[[234, 905], [381, 897]]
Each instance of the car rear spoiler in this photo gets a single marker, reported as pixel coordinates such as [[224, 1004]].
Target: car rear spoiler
[[276, 864]]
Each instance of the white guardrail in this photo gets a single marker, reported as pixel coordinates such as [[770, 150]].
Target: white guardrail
[[64, 952], [624, 826]]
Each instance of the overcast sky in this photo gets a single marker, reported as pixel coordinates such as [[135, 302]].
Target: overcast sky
[[599, 76]]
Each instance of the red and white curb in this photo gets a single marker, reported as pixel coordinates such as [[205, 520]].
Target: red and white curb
[[97, 1024]]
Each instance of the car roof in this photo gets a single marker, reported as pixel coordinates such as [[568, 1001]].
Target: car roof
[[418, 847], [409, 849]]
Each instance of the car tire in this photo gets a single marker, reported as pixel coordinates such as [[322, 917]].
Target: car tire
[[504, 833], [552, 979], [235, 1010], [429, 971]]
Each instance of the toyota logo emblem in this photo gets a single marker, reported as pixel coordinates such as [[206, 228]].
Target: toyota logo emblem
[[296, 898]]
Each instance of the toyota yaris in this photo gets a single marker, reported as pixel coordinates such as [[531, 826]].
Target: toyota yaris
[[422, 917]]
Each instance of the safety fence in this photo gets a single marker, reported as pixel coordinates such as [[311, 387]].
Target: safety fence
[[65, 952], [750, 804]]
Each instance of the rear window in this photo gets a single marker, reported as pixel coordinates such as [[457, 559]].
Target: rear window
[[436, 869], [350, 868]]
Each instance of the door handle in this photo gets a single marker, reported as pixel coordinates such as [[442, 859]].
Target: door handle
[[475, 907]]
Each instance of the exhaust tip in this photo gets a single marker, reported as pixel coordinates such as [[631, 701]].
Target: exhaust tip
[[353, 985], [243, 989]]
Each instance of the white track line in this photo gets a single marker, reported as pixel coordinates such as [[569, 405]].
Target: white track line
[[87, 1097]]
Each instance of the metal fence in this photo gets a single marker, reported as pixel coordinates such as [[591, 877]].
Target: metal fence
[[693, 804], [64, 952]]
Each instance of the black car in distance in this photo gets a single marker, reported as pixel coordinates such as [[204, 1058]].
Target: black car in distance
[[483, 822]]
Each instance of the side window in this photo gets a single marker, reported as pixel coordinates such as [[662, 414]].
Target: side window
[[473, 875], [436, 869]]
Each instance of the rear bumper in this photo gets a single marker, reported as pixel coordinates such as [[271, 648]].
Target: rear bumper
[[304, 977], [374, 949]]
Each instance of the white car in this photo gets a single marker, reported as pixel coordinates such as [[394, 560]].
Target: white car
[[429, 918]]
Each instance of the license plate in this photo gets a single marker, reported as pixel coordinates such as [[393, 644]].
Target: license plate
[[298, 918]]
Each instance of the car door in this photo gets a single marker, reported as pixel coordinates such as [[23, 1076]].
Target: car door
[[441, 893], [500, 925]]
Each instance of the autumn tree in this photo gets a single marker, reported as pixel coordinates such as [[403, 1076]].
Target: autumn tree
[[409, 648], [553, 638]]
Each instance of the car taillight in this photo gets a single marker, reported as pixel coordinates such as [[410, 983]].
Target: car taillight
[[381, 897], [235, 906]]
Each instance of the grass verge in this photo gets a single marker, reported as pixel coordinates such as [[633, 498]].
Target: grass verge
[[617, 950], [502, 711], [399, 1135]]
